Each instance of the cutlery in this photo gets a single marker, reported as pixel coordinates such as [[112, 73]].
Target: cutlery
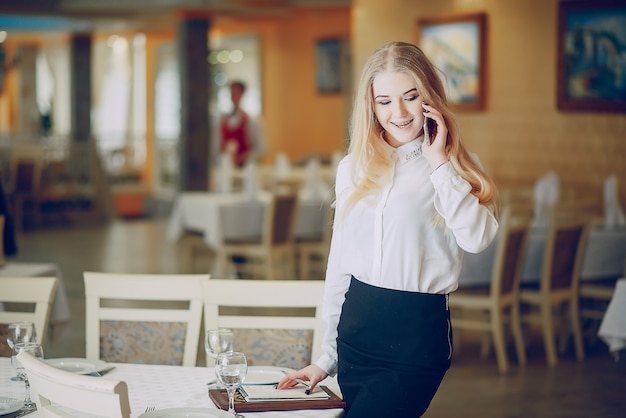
[[101, 372], [21, 413], [150, 408]]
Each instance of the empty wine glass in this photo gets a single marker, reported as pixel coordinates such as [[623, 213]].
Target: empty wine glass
[[20, 332], [231, 369], [216, 341], [35, 350]]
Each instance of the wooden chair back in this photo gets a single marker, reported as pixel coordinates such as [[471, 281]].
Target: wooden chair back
[[28, 299], [59, 393], [262, 307], [143, 312]]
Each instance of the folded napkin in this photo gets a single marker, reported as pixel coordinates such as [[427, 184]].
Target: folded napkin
[[546, 194], [257, 393], [225, 172], [314, 186], [336, 159], [251, 180], [613, 213], [282, 166]]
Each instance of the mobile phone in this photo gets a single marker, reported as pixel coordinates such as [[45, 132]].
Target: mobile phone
[[431, 128]]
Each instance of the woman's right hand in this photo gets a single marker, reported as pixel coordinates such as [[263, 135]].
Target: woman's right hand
[[312, 374]]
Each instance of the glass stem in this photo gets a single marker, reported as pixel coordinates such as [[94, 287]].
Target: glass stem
[[27, 401], [231, 400]]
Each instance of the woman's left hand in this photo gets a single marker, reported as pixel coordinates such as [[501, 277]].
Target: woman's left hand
[[435, 151]]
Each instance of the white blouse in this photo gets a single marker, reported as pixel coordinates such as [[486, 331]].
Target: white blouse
[[393, 240]]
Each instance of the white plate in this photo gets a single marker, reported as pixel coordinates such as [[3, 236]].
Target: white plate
[[265, 375], [78, 365], [9, 405], [187, 413]]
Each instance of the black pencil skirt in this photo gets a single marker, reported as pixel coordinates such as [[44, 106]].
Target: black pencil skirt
[[394, 348]]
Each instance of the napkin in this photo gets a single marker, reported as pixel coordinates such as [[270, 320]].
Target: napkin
[[282, 166], [546, 194], [613, 213], [256, 393], [314, 186], [251, 179], [336, 159], [225, 172]]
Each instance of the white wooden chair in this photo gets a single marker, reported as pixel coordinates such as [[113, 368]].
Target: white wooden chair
[[59, 393], [490, 310], [18, 292], [260, 307], [146, 313]]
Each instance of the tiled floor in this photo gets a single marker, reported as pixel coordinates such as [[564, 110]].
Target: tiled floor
[[472, 388]]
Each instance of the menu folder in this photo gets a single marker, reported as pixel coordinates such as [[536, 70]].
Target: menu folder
[[220, 399]]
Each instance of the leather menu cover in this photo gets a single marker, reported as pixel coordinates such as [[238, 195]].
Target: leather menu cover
[[220, 399]]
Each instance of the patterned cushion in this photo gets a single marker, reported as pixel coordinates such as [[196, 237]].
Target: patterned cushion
[[142, 342], [275, 347]]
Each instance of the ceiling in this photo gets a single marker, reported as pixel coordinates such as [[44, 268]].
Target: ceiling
[[101, 14]]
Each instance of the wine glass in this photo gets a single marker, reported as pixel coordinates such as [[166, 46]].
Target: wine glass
[[20, 332], [216, 341], [35, 350], [231, 369]]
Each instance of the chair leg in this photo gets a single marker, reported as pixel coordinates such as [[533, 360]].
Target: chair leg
[[497, 328], [547, 328], [576, 329], [516, 326], [304, 266]]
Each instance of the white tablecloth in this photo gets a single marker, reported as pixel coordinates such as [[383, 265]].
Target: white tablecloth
[[60, 314], [236, 215], [604, 257], [613, 326], [165, 387]]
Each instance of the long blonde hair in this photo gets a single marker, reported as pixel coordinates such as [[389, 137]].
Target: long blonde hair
[[371, 159]]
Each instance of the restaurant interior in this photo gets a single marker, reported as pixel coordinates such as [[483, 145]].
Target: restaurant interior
[[111, 168]]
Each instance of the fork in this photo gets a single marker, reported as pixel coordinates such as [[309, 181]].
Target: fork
[[150, 408]]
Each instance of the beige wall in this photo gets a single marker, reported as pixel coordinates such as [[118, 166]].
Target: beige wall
[[521, 135]]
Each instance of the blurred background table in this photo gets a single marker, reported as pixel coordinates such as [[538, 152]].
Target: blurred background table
[[604, 258]]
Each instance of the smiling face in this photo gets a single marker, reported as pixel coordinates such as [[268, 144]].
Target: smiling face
[[398, 107]]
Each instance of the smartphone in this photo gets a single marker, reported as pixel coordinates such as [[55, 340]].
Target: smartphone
[[431, 128]]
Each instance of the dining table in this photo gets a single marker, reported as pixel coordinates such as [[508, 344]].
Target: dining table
[[239, 215], [163, 387], [604, 257]]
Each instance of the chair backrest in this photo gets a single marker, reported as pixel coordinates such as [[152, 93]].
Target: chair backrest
[[258, 308], [508, 262], [77, 395], [26, 167], [142, 312], [28, 299], [564, 251], [283, 212]]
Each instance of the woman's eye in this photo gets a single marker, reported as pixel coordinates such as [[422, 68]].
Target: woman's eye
[[384, 102], [411, 98]]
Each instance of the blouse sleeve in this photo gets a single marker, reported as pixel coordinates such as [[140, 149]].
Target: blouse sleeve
[[337, 282], [474, 225]]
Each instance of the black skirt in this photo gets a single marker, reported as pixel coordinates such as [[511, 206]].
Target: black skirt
[[394, 348]]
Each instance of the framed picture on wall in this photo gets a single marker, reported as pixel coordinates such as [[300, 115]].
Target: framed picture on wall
[[592, 55], [331, 70], [457, 47]]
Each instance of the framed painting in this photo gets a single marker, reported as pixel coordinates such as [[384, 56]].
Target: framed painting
[[457, 47], [332, 65], [592, 55]]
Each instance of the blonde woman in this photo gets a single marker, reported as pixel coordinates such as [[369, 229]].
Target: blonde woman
[[408, 205]]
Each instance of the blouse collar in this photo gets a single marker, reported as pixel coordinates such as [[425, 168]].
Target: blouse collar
[[408, 151]]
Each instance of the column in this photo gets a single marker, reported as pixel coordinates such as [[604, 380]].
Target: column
[[194, 83]]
